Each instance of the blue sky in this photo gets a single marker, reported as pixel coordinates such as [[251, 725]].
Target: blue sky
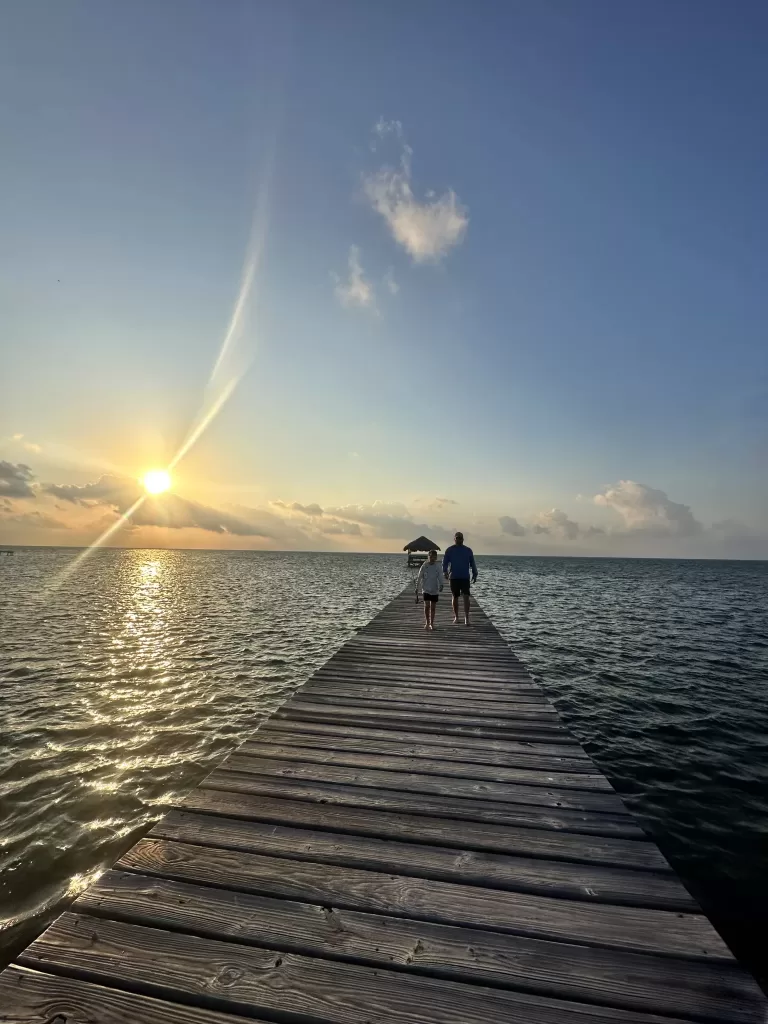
[[556, 219]]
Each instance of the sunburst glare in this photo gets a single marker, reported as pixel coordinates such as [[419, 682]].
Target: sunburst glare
[[156, 481]]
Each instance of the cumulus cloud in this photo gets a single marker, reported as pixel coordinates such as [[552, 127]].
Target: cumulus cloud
[[16, 481], [388, 520], [557, 522], [356, 289], [434, 504], [428, 228], [340, 526], [166, 510], [295, 506], [648, 509], [511, 526]]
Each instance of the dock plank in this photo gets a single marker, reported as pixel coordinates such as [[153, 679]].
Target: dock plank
[[462, 809], [414, 837], [584, 779], [564, 746], [576, 880], [632, 981], [229, 976], [522, 793], [30, 996], [382, 823], [525, 756], [630, 928]]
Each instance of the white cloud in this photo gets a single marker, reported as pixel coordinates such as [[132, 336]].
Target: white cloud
[[648, 509], [511, 526], [427, 229], [340, 526], [390, 283], [556, 522], [390, 520], [356, 290], [434, 504], [169, 510], [295, 506]]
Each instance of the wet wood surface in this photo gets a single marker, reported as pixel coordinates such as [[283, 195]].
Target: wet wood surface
[[413, 837]]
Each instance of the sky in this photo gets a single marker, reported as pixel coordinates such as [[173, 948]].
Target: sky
[[357, 272]]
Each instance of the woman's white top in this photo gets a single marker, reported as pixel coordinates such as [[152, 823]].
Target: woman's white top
[[430, 577]]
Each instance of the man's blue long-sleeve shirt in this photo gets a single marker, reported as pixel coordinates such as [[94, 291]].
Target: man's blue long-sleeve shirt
[[458, 560]]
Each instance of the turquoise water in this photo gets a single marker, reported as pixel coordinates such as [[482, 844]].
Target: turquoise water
[[125, 683]]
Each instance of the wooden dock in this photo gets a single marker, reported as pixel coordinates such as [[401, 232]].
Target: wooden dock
[[414, 838]]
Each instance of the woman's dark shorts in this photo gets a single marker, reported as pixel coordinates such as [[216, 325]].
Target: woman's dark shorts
[[459, 587], [431, 597]]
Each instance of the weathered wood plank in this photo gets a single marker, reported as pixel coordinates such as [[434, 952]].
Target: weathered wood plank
[[230, 976], [426, 765], [409, 694], [714, 992], [463, 810], [528, 726], [32, 997], [593, 924], [525, 713], [383, 824], [571, 880], [402, 748], [433, 705], [577, 799], [565, 747]]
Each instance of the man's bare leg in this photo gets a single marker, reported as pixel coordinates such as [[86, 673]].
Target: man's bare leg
[[432, 610], [455, 606], [426, 613], [466, 609]]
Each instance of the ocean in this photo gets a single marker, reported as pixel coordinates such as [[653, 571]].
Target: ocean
[[123, 682]]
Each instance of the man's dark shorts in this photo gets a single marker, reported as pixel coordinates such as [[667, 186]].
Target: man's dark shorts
[[459, 587], [431, 597]]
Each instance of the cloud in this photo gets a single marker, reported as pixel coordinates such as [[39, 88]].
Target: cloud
[[557, 522], [16, 481], [35, 519], [511, 526], [390, 283], [434, 504], [389, 520], [648, 509], [538, 528], [427, 229], [107, 489], [167, 510], [357, 290], [340, 526], [295, 506], [175, 513]]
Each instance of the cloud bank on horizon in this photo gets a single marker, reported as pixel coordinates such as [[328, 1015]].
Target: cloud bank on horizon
[[640, 520]]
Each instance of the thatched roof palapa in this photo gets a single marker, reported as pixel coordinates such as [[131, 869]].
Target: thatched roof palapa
[[422, 544]]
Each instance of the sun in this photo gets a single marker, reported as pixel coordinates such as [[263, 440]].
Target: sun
[[156, 481]]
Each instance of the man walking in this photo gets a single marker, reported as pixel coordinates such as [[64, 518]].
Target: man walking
[[458, 561]]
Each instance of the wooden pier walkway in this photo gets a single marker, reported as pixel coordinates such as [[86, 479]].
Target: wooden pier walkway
[[414, 838]]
